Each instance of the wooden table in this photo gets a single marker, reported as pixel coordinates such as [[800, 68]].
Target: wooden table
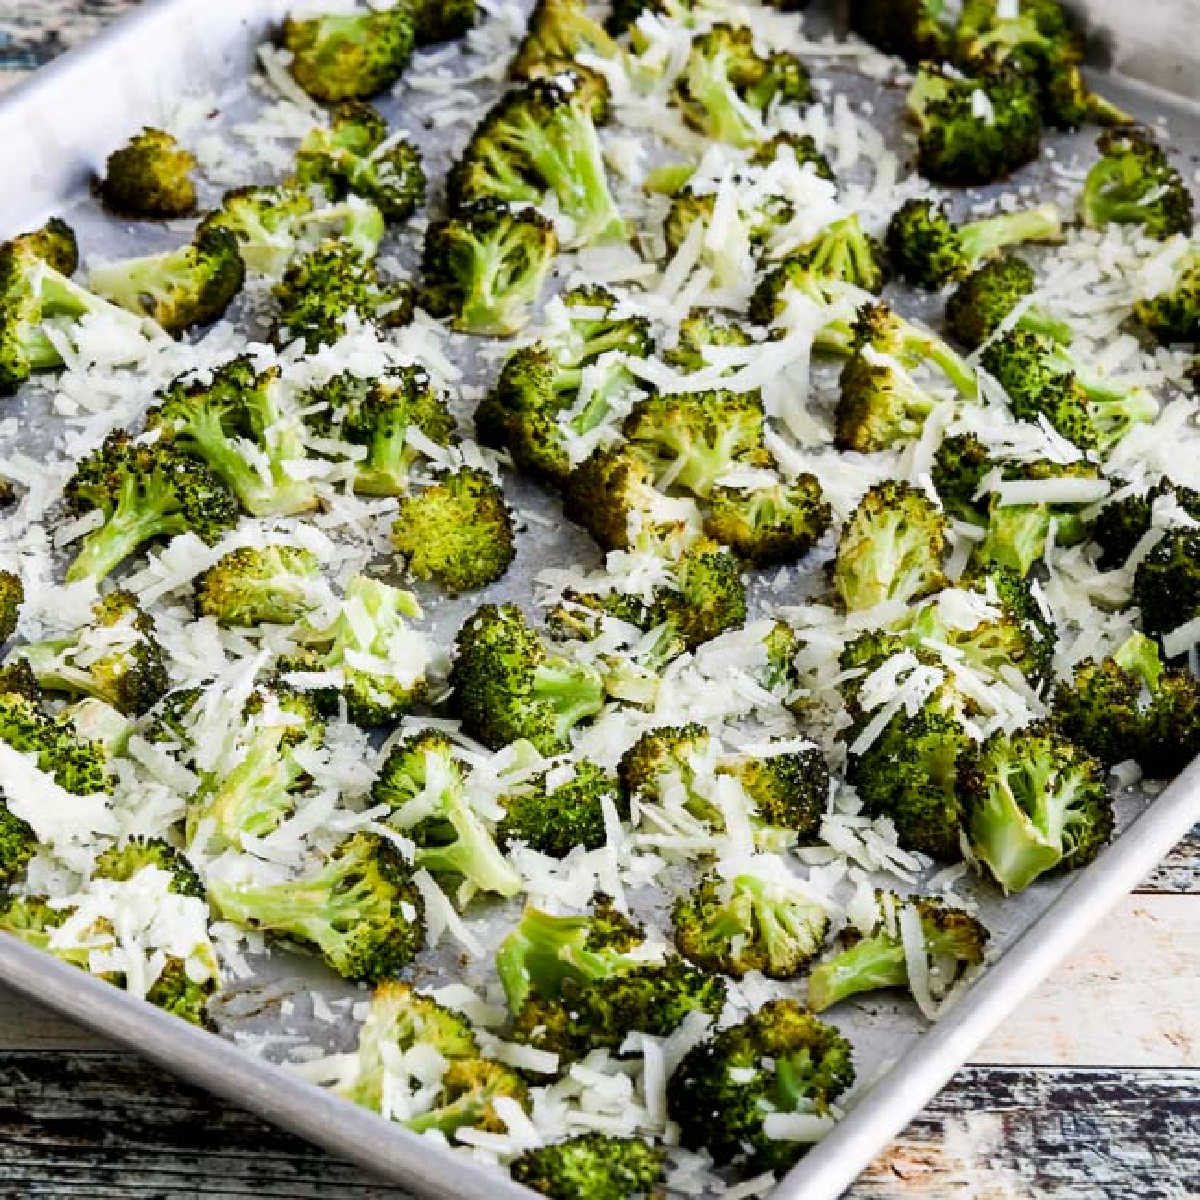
[[1092, 1089]]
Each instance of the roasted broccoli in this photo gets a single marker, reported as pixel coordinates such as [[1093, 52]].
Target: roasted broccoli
[[847, 252], [974, 129], [12, 596], [1033, 802], [591, 1166], [555, 33], [116, 658], [986, 297], [235, 421], [563, 384], [425, 786], [1122, 522], [255, 585], [484, 268], [354, 154], [1166, 584], [149, 176], [360, 909], [54, 243], [1173, 315], [553, 813], [780, 1060], [1133, 183], [18, 842], [144, 491], [788, 790], [122, 862], [953, 943], [917, 30], [777, 523], [324, 287], [508, 685], [726, 86], [350, 56], [701, 332], [575, 983]]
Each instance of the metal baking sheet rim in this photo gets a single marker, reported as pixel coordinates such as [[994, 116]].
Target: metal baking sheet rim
[[113, 72]]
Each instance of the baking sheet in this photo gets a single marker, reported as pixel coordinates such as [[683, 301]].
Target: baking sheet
[[49, 145]]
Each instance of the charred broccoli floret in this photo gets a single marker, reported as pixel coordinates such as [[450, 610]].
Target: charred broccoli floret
[[322, 288], [122, 862], [179, 289], [914, 29], [930, 250], [116, 658], [702, 330], [484, 268], [354, 154], [54, 243], [145, 491], [986, 297], [1166, 584], [554, 815], [507, 685], [1118, 527], [1033, 802], [748, 924], [255, 585], [12, 596], [441, 20], [788, 790], [891, 548], [18, 844], [1173, 315], [777, 523], [974, 130], [425, 786], [574, 983], [349, 56], [591, 1166], [457, 531], [360, 909], [835, 301], [726, 85], [218, 418], [847, 252], [149, 176], [1133, 183], [779, 1060], [556, 32], [954, 944]]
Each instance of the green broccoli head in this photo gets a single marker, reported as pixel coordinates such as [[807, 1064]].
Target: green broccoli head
[[954, 943], [974, 129], [508, 686], [986, 297], [441, 20], [916, 30], [765, 525], [781, 1059], [1166, 584], [788, 790], [18, 842], [847, 252], [591, 1165], [667, 752], [256, 585], [468, 1095], [122, 862], [144, 491], [553, 815], [701, 330], [12, 596], [1133, 183], [1173, 315], [149, 176], [351, 56], [556, 33], [1033, 802], [1118, 527], [801, 146], [484, 268], [359, 910], [879, 403], [877, 330], [54, 243]]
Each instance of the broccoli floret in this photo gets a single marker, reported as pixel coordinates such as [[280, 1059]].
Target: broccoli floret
[[1173, 315], [535, 404], [985, 298], [591, 1166], [425, 786], [780, 1059], [18, 842], [764, 525], [835, 300], [701, 329], [469, 1090], [123, 862], [145, 491], [847, 252], [879, 403], [554, 819], [696, 437], [322, 288], [801, 146], [176, 992], [255, 585], [914, 29], [555, 33], [956, 145], [441, 20], [54, 243], [1129, 705], [755, 222], [726, 86], [507, 685], [351, 56], [1122, 523], [789, 791], [12, 596], [537, 138], [891, 548], [179, 289], [457, 531], [1033, 802], [32, 294], [1133, 183], [360, 909], [484, 268], [930, 250], [149, 176], [748, 924], [1166, 584], [272, 224], [370, 627], [116, 658], [355, 155], [1044, 379], [574, 983], [954, 945]]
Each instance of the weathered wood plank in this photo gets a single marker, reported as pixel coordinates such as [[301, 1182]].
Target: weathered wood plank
[[1180, 870], [106, 1125]]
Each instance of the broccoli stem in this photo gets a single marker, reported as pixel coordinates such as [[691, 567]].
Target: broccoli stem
[[1004, 836], [576, 692], [1037, 320], [981, 239], [872, 963], [472, 854], [132, 523]]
